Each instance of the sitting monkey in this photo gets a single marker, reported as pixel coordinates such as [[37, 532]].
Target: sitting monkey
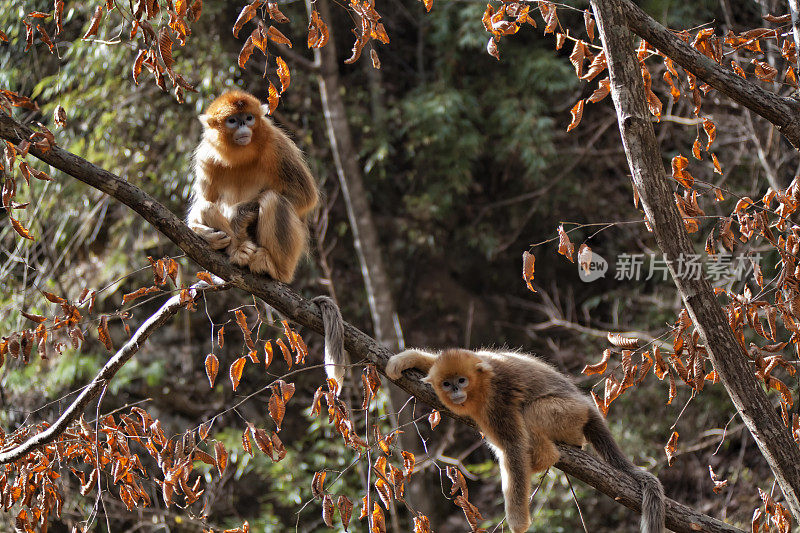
[[252, 188]]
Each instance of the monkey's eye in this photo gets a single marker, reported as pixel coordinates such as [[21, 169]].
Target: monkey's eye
[[446, 384], [231, 122], [462, 381], [250, 120]]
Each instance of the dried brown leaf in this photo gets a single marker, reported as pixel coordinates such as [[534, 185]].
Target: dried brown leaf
[[212, 368], [235, 372], [565, 246], [528, 261], [671, 448], [577, 114], [102, 332], [94, 24]]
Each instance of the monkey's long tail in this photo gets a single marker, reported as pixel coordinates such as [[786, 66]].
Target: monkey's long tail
[[336, 358], [598, 434]]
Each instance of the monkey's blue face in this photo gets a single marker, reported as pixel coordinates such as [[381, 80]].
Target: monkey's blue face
[[242, 126], [455, 387]]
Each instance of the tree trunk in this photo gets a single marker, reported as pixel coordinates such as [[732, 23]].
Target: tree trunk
[[348, 168], [644, 158]]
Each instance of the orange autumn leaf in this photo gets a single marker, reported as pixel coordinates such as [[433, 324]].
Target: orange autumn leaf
[[275, 34], [165, 48], [272, 98], [19, 228], [491, 48], [283, 73], [327, 510], [246, 51], [603, 90], [679, 172], [577, 114], [345, 510], [221, 457], [94, 24], [275, 13], [565, 246], [717, 167], [528, 261], [671, 448], [212, 368], [600, 366], [235, 371], [102, 332], [277, 409], [317, 482], [711, 131], [630, 343], [247, 13]]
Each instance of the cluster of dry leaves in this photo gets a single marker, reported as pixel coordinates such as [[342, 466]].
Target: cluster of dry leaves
[[15, 156]]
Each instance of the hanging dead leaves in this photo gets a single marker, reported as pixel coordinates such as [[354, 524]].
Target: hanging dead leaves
[[371, 29], [506, 21], [260, 38], [156, 45]]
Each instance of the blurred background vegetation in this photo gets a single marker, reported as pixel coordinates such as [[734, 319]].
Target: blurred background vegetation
[[466, 162]]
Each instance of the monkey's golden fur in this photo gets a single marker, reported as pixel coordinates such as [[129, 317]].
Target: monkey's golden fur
[[524, 406], [251, 200]]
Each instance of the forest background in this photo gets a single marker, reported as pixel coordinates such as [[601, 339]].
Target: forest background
[[466, 163]]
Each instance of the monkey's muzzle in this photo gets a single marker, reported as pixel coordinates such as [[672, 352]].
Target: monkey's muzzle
[[458, 397], [242, 138]]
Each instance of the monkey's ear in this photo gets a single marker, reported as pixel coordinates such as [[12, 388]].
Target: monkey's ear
[[483, 367], [265, 109], [428, 380], [204, 120]]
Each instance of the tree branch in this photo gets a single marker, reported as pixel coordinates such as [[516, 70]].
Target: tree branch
[[779, 110], [644, 159], [580, 464], [100, 381]]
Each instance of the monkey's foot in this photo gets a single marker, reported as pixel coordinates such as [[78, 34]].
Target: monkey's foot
[[518, 523], [216, 239], [262, 263], [243, 253]]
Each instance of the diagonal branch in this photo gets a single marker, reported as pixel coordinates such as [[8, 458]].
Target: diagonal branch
[[580, 464], [109, 370], [779, 110], [644, 159]]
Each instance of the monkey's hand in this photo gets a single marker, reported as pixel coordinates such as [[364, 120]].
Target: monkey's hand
[[242, 253], [409, 359], [396, 365], [215, 238]]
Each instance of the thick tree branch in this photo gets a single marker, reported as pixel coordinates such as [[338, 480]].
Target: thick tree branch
[[580, 464], [781, 111], [644, 158], [100, 381]]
